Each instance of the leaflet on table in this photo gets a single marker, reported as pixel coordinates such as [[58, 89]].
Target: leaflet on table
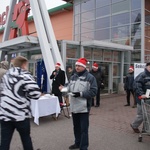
[[64, 89], [148, 93], [45, 96]]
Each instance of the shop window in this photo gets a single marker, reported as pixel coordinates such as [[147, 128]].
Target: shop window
[[87, 53], [147, 16], [147, 30], [107, 55], [97, 54], [116, 56]]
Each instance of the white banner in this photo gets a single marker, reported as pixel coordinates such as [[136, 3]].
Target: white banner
[[138, 68]]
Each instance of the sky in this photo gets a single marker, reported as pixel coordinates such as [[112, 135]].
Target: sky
[[49, 4]]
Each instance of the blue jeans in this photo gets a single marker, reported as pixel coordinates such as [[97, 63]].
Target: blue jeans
[[81, 125], [7, 130]]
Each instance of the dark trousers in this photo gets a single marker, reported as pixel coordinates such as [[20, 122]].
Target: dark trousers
[[7, 130], [97, 98], [80, 126], [129, 92], [59, 97]]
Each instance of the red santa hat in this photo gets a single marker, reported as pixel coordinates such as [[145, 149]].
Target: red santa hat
[[95, 66], [82, 62], [57, 65], [131, 68]]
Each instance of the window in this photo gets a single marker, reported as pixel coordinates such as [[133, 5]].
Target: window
[[103, 23], [135, 4], [100, 3], [88, 26], [90, 15], [102, 34], [120, 19], [103, 11], [135, 16], [120, 7], [120, 32], [87, 5]]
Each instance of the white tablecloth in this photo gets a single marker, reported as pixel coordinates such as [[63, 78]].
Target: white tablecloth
[[44, 106]]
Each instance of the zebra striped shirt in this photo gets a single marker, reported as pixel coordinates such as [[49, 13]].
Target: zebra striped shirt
[[18, 88]]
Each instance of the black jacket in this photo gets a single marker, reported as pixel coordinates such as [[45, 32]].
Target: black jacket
[[141, 84], [99, 76], [128, 85], [58, 79]]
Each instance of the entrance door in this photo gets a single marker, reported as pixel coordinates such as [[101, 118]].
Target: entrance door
[[107, 70]]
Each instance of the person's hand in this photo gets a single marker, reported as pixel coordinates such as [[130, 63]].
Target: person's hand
[[61, 87], [76, 94]]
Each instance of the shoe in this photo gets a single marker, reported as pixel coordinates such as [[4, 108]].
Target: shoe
[[134, 106], [74, 146], [136, 130], [127, 105], [96, 105]]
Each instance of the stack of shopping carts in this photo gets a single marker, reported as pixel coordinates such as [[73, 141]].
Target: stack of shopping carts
[[146, 118]]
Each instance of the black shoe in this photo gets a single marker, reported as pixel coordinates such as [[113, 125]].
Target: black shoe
[[74, 146], [96, 105], [127, 105]]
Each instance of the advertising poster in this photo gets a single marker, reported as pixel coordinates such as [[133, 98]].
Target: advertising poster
[[138, 68]]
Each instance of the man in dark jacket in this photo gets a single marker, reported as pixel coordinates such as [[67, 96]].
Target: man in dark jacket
[[58, 77], [141, 84], [98, 74], [128, 86]]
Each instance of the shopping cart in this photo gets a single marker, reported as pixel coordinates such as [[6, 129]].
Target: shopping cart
[[146, 118]]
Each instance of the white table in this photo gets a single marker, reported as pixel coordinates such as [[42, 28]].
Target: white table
[[44, 106]]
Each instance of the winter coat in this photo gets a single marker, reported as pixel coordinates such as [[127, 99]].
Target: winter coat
[[128, 85], [58, 79], [141, 84], [99, 76], [18, 89], [87, 86]]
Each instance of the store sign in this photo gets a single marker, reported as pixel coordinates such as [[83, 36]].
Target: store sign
[[3, 16], [19, 25]]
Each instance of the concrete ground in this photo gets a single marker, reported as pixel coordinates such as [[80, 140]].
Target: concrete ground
[[109, 129]]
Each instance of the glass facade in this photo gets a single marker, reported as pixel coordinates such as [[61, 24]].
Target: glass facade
[[117, 21]]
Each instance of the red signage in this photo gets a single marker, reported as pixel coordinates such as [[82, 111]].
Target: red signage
[[19, 24], [3, 16]]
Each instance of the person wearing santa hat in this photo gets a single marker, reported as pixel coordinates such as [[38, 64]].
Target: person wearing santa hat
[[99, 75], [82, 88], [58, 78], [128, 86]]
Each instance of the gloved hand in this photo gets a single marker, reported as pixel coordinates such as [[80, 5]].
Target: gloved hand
[[76, 94]]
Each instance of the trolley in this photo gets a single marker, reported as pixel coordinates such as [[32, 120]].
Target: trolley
[[146, 118]]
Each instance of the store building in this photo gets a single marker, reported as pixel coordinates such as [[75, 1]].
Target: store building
[[113, 33]]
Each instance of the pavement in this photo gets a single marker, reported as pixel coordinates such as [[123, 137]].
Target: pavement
[[109, 129]]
